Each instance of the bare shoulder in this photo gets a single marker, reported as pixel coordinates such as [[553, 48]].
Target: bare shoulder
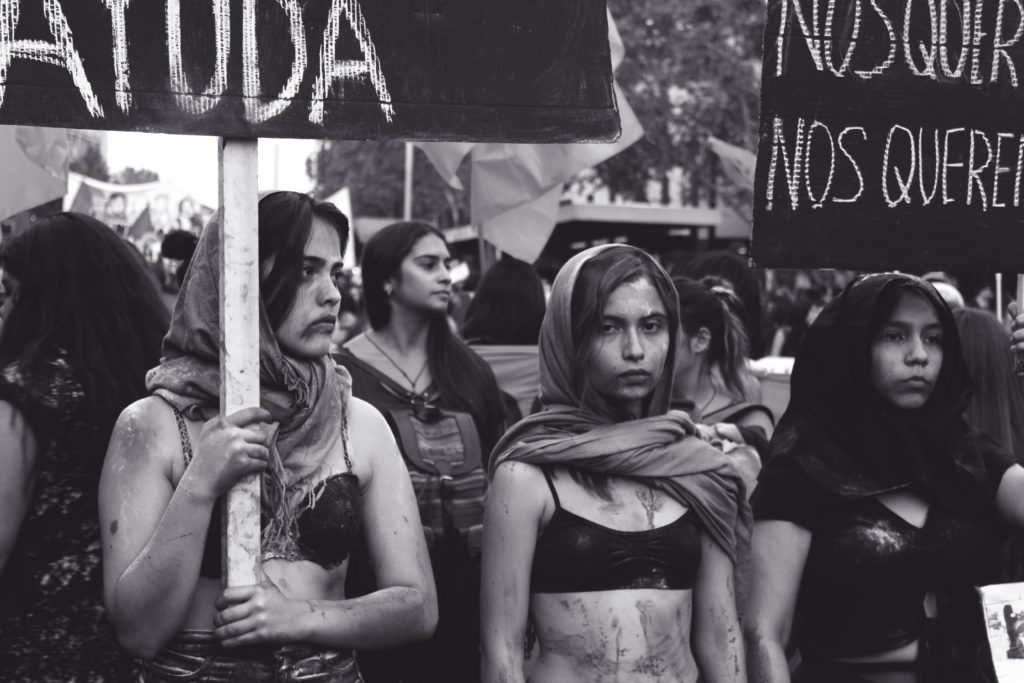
[[373, 444], [520, 481], [517, 473], [363, 416], [12, 422], [145, 431]]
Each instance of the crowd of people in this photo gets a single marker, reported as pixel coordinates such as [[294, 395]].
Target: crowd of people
[[575, 480]]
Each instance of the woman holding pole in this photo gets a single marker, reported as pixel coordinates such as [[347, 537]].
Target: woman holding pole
[[329, 468]]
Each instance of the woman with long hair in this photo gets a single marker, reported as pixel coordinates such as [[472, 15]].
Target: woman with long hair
[[503, 325], [737, 276], [328, 466], [612, 529], [996, 407], [81, 325], [880, 508], [711, 372], [444, 405], [508, 306]]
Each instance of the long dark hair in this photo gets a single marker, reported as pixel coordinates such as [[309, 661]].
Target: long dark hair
[[285, 222], [85, 292], [508, 306], [997, 406], [597, 279], [460, 376], [734, 268], [704, 304]]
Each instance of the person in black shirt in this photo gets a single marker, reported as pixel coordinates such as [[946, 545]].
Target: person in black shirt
[[879, 509]]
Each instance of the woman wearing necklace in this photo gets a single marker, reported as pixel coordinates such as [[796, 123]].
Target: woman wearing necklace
[[445, 408]]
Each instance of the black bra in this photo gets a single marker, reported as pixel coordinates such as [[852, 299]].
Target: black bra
[[327, 531], [576, 555]]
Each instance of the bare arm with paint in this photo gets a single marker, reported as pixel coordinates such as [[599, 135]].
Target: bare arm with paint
[[512, 517], [402, 610], [154, 532], [717, 642], [779, 552], [18, 460]]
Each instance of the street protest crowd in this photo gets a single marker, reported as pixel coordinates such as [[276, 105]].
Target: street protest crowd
[[565, 480]]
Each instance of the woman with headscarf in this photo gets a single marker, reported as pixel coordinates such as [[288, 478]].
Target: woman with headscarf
[[329, 467], [879, 509], [610, 527]]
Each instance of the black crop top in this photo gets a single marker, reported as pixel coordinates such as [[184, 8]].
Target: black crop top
[[868, 570], [576, 555], [327, 531]]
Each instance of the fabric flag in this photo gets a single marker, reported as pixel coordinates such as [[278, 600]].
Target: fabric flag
[[143, 225], [738, 163], [34, 169], [516, 188]]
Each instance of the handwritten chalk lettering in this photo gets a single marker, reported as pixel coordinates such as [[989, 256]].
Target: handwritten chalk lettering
[[810, 37], [938, 39], [928, 55], [829, 25], [1020, 172], [256, 111], [332, 70], [792, 170], [818, 202], [926, 199], [187, 99], [974, 171], [964, 16], [946, 199], [973, 167], [1000, 54], [123, 94], [999, 169], [883, 66], [905, 182], [60, 53], [809, 163], [853, 162]]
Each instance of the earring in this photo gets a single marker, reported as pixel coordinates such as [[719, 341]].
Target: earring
[[387, 289]]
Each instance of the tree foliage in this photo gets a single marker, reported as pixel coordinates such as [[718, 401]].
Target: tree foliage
[[91, 163], [134, 176], [691, 70], [374, 172]]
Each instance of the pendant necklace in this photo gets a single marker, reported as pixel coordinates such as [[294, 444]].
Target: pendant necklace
[[411, 380]]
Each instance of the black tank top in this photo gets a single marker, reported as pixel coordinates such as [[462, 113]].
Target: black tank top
[[576, 555], [327, 531]]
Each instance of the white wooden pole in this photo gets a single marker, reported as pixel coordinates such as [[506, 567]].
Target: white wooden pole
[[999, 297], [407, 203], [239, 359]]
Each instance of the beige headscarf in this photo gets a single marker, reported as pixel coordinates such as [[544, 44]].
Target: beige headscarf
[[307, 399], [662, 447]]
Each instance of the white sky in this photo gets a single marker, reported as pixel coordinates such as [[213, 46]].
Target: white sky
[[190, 161]]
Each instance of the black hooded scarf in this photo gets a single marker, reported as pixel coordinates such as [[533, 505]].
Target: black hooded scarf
[[844, 440]]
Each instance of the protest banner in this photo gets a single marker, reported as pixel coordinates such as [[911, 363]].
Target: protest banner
[[891, 135], [528, 71], [449, 70]]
